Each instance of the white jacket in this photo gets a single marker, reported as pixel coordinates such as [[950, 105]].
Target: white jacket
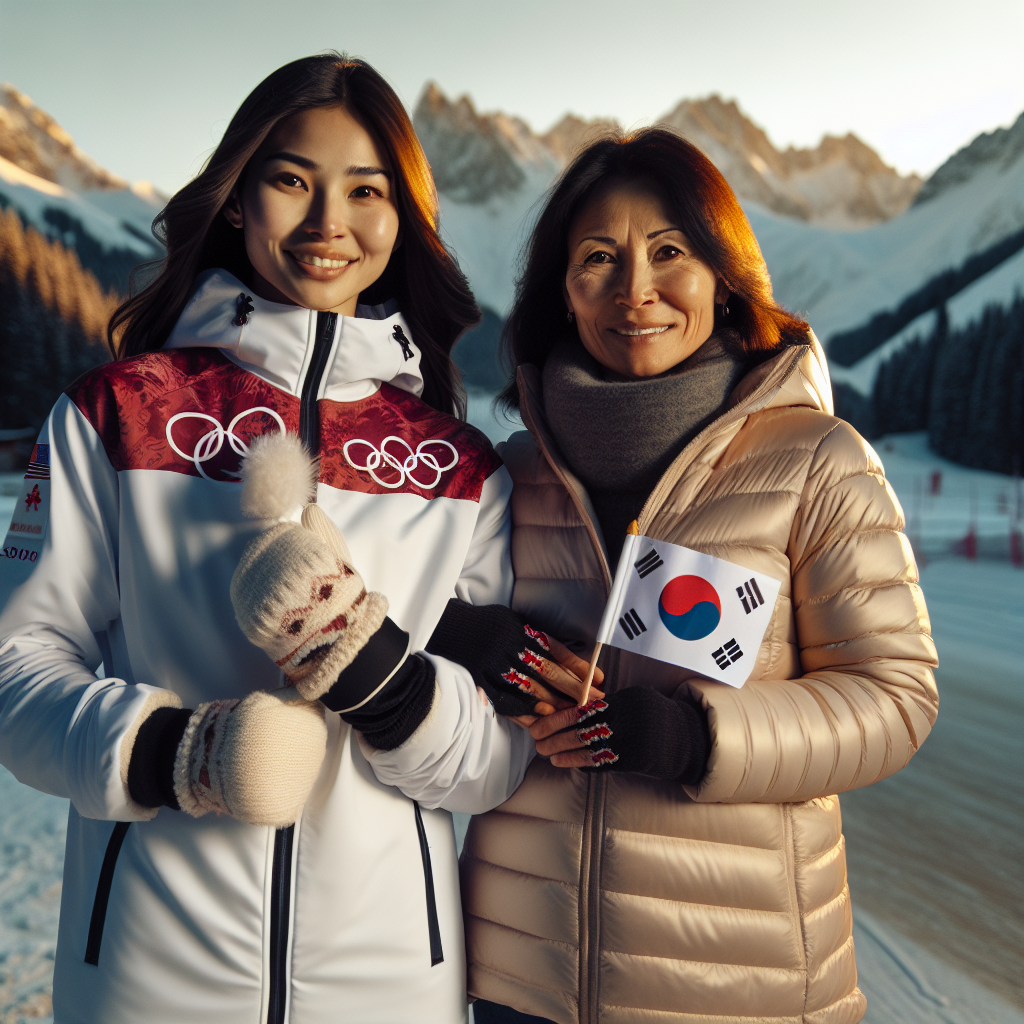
[[122, 556]]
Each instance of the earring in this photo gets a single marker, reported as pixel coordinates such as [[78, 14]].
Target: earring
[[570, 316], [725, 310]]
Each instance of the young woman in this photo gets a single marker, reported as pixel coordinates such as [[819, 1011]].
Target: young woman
[[695, 869], [305, 292]]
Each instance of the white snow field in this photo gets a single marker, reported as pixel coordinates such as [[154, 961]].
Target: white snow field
[[934, 852]]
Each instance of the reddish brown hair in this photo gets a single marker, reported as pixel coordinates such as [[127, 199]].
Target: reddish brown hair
[[421, 274], [705, 208]]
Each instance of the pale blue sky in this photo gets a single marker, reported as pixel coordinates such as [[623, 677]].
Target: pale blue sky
[[147, 86]]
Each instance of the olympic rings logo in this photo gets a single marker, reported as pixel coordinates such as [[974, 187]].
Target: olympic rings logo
[[403, 464], [210, 444]]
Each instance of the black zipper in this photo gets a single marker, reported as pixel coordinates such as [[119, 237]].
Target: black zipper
[[281, 872], [280, 905], [99, 904], [309, 411], [433, 927]]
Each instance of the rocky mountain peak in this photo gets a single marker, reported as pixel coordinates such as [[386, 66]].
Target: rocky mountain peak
[[1000, 148], [572, 133], [32, 140], [841, 183], [475, 156]]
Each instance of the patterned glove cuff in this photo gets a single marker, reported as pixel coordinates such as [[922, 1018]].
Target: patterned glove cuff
[[362, 622], [371, 668], [197, 774]]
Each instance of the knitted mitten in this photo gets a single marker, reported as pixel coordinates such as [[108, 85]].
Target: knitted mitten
[[255, 759], [295, 592], [501, 652], [640, 730]]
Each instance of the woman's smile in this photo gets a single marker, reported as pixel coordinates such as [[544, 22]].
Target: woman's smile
[[318, 268], [639, 332]]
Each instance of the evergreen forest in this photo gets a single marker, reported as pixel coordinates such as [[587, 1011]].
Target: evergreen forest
[[965, 387], [53, 326]]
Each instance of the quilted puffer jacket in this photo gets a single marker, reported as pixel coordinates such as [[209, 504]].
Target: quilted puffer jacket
[[615, 898]]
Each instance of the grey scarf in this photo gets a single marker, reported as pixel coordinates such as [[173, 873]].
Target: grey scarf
[[619, 436]]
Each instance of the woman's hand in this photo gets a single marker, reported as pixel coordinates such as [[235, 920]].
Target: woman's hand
[[633, 730], [565, 672], [521, 669], [256, 759]]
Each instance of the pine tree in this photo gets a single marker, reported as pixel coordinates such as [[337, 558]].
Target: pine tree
[[53, 318]]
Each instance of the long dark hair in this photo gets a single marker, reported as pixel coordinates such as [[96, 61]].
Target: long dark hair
[[422, 275], [705, 208]]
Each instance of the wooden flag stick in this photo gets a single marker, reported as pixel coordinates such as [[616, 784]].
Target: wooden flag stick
[[621, 571], [585, 696]]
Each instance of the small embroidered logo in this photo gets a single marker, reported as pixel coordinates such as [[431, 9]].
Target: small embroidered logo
[[32, 499], [399, 336], [405, 466], [243, 307], [210, 444]]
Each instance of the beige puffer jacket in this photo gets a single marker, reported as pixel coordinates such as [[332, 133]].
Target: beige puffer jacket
[[619, 899]]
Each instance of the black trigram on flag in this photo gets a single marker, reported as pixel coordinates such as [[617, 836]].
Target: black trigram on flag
[[727, 653], [646, 565], [632, 625], [750, 595]]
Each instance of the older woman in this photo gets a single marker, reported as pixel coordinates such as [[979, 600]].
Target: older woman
[[695, 869]]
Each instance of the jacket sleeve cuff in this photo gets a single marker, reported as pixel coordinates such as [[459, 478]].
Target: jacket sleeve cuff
[[371, 669], [464, 756], [151, 767], [155, 702]]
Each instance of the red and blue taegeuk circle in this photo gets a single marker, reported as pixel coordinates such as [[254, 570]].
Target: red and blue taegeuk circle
[[690, 607]]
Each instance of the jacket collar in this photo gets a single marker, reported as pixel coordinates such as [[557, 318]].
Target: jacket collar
[[796, 376], [276, 341]]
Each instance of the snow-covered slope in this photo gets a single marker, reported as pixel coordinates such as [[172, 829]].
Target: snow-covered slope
[[66, 195], [840, 278], [115, 219], [998, 287]]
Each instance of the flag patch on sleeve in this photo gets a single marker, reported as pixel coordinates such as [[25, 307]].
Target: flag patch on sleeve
[[24, 541]]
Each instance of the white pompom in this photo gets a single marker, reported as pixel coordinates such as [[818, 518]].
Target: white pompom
[[278, 477]]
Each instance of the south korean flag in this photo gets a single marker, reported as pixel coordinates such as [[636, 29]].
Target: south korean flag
[[688, 608]]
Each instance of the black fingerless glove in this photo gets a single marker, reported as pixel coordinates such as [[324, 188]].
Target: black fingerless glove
[[641, 730], [498, 648]]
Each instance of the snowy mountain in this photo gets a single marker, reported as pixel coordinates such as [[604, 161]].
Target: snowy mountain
[[842, 183], [840, 278], [66, 195], [491, 169], [35, 142]]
